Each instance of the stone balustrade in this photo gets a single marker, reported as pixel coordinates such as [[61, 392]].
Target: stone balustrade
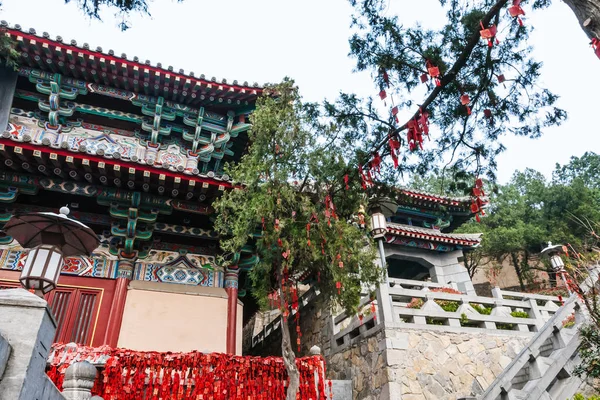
[[405, 296]]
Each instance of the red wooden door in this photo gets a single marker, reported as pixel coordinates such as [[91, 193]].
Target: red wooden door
[[81, 306], [76, 312]]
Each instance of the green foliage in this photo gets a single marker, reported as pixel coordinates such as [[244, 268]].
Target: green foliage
[[461, 141], [92, 8], [464, 320], [519, 314], [589, 351], [482, 309], [505, 327], [586, 168], [448, 305], [526, 213], [291, 167], [579, 396]]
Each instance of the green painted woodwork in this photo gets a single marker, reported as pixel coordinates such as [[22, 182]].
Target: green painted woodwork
[[58, 92]]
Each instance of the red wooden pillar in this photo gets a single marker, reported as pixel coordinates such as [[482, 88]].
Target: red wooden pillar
[[231, 287], [125, 273]]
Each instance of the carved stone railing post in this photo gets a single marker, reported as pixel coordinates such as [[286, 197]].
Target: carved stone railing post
[[79, 381]]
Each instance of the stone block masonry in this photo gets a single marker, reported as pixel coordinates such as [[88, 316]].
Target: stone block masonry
[[416, 364]]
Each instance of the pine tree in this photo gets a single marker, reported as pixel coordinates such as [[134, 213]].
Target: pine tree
[[293, 205]]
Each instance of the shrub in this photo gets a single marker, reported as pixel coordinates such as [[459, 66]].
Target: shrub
[[447, 305], [569, 322], [519, 314], [579, 396], [482, 309]]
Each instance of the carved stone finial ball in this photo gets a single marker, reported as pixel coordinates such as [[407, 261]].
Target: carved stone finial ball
[[64, 210]]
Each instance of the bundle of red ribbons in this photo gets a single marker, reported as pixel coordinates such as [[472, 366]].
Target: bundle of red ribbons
[[139, 375]]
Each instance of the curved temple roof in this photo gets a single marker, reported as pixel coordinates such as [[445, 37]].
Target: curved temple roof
[[434, 235], [70, 59]]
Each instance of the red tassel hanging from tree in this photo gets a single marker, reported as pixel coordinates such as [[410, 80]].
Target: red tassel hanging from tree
[[394, 149], [488, 114], [596, 46], [465, 100], [516, 11], [423, 121], [376, 162], [308, 234], [488, 33], [346, 179], [434, 72], [384, 76], [383, 95], [338, 286], [364, 182], [478, 202]]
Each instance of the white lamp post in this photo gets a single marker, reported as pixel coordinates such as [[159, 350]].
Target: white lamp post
[[556, 262], [50, 237]]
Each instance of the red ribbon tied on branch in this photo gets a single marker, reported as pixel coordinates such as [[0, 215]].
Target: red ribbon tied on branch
[[489, 34], [434, 73], [596, 46], [516, 11], [478, 200], [394, 149]]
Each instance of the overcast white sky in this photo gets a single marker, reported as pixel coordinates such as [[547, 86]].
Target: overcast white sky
[[265, 40]]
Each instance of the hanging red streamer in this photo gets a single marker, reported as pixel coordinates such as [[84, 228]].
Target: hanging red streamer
[[516, 11], [478, 200], [489, 33], [596, 46], [394, 149], [433, 71]]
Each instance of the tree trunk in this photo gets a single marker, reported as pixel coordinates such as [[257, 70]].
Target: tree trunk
[[289, 360], [515, 261], [588, 15]]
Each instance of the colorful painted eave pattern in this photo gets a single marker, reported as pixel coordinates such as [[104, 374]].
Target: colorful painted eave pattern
[[433, 235], [73, 60], [116, 150]]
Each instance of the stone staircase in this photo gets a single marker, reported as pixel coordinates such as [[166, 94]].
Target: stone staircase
[[544, 368]]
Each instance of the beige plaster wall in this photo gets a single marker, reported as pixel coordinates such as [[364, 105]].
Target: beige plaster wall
[[171, 317], [504, 277]]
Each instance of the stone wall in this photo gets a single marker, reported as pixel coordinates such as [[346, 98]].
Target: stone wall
[[446, 365]]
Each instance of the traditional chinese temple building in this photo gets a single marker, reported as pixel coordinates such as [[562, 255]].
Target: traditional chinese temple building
[[136, 150], [420, 242]]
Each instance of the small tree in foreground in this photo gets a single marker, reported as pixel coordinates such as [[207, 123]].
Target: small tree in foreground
[[294, 206]]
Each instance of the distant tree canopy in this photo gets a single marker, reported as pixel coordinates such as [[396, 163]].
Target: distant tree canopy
[[529, 211], [122, 8]]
